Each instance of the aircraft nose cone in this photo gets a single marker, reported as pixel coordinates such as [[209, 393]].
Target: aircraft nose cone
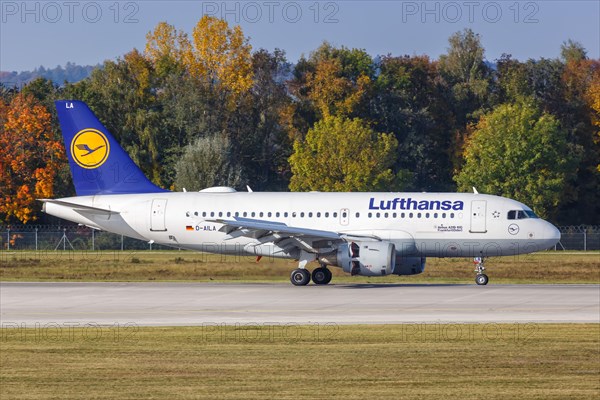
[[551, 234]]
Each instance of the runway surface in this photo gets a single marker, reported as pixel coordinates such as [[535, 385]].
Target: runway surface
[[171, 304]]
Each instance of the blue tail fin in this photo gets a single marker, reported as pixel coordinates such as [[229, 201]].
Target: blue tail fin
[[98, 163]]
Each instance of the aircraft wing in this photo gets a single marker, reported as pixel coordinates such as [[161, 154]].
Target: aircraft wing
[[282, 234]]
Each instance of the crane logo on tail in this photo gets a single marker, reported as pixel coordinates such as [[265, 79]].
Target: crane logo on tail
[[90, 148]]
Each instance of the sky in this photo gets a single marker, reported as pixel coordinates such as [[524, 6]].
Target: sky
[[51, 33]]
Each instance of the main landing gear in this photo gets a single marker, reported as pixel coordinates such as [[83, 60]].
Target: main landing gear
[[480, 278], [301, 276]]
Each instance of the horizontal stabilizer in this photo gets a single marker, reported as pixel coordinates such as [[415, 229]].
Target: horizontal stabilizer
[[81, 208]]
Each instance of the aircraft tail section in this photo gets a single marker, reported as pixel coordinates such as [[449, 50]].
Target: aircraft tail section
[[98, 163]]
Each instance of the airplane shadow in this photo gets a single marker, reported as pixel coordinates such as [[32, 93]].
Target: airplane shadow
[[395, 285]]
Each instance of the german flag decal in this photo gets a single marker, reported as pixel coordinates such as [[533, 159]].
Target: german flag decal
[[189, 228]]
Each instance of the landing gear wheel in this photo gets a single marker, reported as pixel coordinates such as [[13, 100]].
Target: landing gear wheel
[[481, 279], [300, 277], [321, 276]]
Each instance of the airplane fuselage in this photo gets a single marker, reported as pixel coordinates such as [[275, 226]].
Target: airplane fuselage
[[418, 224]]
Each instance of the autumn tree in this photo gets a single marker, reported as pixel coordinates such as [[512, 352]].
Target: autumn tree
[[330, 82], [29, 158], [519, 152], [166, 48], [220, 55], [341, 154]]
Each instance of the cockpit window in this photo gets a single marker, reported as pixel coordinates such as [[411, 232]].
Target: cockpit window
[[531, 214], [521, 214]]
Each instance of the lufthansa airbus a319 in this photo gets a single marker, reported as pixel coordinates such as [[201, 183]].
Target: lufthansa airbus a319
[[368, 234]]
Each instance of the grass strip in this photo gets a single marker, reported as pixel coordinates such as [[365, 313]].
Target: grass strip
[[545, 267], [466, 361]]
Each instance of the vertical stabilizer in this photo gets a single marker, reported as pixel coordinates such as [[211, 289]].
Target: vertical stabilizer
[[98, 163]]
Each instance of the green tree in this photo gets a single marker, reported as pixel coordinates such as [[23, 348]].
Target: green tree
[[466, 71], [520, 152], [207, 162], [410, 101], [572, 51], [341, 154]]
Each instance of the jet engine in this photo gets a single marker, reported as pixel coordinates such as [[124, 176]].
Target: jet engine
[[373, 259], [364, 258]]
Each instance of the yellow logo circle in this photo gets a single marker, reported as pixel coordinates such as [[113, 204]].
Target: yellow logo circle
[[90, 148]]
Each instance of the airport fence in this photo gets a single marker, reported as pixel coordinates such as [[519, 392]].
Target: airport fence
[[74, 237]]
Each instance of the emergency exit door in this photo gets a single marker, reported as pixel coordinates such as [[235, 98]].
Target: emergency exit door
[[478, 212], [158, 215]]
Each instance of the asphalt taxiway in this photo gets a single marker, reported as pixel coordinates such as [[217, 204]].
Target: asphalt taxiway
[[173, 304]]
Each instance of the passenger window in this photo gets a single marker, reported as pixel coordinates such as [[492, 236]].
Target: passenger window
[[229, 213], [410, 215], [357, 215], [309, 215], [212, 213], [269, 214], [426, 215], [451, 215], [253, 214], [261, 214], [318, 215], [285, 214], [418, 215], [245, 214], [394, 215], [334, 215], [277, 214], [302, 214], [326, 215], [220, 213]]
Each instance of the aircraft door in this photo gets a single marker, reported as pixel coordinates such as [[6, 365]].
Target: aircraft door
[[344, 216], [478, 212], [158, 215]]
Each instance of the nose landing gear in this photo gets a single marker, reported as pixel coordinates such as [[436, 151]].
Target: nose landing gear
[[480, 278]]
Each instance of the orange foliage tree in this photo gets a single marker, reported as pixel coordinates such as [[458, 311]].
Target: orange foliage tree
[[30, 158]]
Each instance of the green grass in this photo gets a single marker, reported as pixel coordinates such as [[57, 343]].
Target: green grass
[[545, 267], [482, 361]]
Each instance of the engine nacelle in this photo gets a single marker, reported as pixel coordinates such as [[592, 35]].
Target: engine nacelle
[[367, 258], [409, 265]]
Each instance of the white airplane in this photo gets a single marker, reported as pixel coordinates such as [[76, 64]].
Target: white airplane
[[369, 234]]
